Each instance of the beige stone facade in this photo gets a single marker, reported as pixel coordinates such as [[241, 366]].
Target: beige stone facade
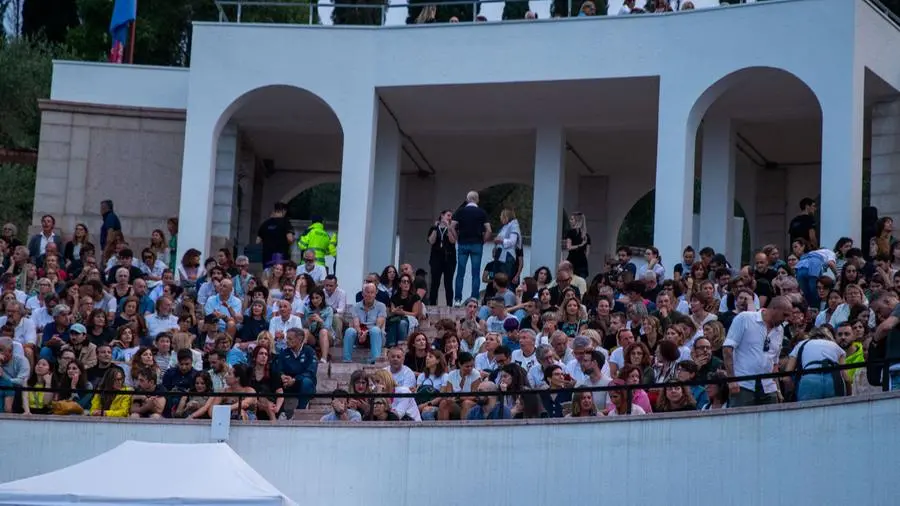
[[89, 153]]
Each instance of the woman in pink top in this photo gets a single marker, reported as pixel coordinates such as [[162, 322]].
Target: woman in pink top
[[631, 375]]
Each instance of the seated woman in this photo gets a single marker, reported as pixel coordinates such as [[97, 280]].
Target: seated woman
[[582, 405], [406, 308], [556, 403], [71, 384], [381, 412], [130, 315], [39, 403], [675, 398], [266, 381], [433, 379], [238, 381], [404, 407], [318, 318], [621, 401], [110, 403], [359, 384], [125, 345], [199, 401]]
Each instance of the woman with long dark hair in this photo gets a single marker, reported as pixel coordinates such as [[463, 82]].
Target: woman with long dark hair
[[110, 403], [266, 382]]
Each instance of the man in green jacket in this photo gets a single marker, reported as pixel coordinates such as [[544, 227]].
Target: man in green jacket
[[318, 240]]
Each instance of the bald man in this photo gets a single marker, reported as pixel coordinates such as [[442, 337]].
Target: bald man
[[752, 347]]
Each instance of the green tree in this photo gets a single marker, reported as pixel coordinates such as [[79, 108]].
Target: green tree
[[17, 194], [518, 197], [162, 32], [25, 70], [52, 18], [323, 200]]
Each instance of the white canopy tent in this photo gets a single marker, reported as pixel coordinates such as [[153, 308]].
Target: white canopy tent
[[136, 473]]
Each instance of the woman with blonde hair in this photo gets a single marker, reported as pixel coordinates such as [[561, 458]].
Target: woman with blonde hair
[[508, 240], [582, 405], [578, 244], [404, 407], [185, 341], [572, 317], [714, 332]]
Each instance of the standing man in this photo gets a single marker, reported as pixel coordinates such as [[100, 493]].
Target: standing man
[[753, 346], [469, 229], [110, 222], [803, 226], [37, 245], [317, 240], [275, 234], [443, 257]]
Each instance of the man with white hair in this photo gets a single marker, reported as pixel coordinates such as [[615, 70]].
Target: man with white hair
[[651, 285], [369, 316], [14, 367], [470, 229], [25, 332], [316, 271]]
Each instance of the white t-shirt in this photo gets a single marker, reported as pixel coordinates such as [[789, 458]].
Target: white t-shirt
[[518, 357], [404, 406], [475, 349], [437, 382], [816, 350], [455, 379], [635, 410], [747, 337], [618, 357], [405, 377]]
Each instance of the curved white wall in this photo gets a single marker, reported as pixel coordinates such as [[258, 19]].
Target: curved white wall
[[834, 454]]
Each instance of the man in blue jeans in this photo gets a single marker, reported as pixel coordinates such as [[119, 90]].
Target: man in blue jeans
[[369, 316], [471, 229]]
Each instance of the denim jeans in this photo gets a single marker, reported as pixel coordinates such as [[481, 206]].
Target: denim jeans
[[307, 387], [376, 337], [807, 283], [397, 332], [895, 380], [815, 386], [472, 253]]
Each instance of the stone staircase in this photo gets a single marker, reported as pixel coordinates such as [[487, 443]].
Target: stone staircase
[[337, 373]]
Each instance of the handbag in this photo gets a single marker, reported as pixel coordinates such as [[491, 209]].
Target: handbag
[[66, 408]]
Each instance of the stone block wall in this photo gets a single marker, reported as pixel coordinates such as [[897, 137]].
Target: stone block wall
[[885, 185], [90, 153]]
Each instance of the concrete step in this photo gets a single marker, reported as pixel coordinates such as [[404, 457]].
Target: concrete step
[[312, 413]]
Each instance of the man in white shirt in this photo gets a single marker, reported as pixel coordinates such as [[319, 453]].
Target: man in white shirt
[[162, 320], [336, 299], [315, 271], [625, 338], [15, 315], [209, 289], [545, 358], [581, 345], [752, 347], [283, 321], [403, 375], [8, 282], [287, 293], [43, 315], [525, 356]]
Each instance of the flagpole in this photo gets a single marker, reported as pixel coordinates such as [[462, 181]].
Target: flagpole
[[131, 39]]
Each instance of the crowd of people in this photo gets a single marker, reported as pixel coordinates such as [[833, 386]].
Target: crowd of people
[[111, 335]]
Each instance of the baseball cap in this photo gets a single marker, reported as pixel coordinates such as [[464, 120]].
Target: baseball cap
[[77, 328]]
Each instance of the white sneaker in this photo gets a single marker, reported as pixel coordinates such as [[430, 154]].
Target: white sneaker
[[457, 303]]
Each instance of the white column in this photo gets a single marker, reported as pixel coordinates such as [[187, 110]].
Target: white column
[[673, 216], [549, 184], [357, 191], [382, 238], [197, 186], [717, 187], [842, 152]]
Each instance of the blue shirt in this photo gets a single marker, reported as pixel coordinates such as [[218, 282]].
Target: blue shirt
[[500, 412], [298, 366], [215, 303], [110, 222]]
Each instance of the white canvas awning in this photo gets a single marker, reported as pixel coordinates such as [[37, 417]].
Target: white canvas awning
[[136, 473]]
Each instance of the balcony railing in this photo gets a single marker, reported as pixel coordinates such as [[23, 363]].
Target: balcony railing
[[375, 13]]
